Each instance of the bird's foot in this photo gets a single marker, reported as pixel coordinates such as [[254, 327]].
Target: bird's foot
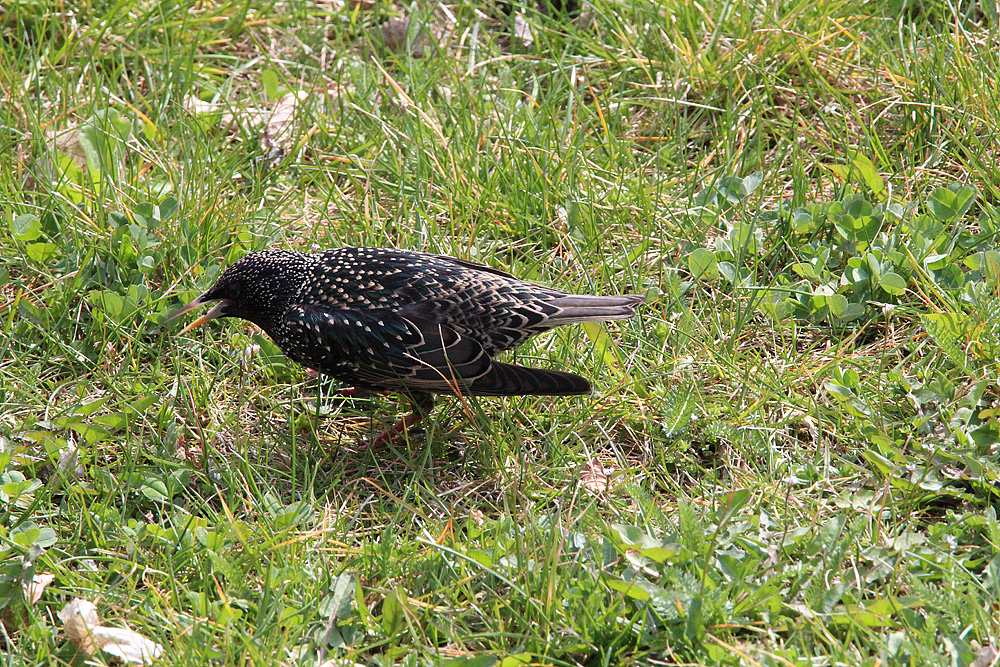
[[401, 429], [393, 434], [422, 404]]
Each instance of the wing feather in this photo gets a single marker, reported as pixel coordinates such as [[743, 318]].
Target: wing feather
[[384, 350]]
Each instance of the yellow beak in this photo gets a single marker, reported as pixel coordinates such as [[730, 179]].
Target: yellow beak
[[215, 312]]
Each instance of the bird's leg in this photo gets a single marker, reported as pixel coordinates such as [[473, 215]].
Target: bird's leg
[[393, 434], [422, 405]]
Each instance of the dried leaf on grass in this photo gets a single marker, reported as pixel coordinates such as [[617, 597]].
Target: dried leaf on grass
[[82, 626], [522, 30], [985, 657], [279, 126], [197, 106], [594, 477], [337, 5], [398, 35], [67, 141], [69, 461], [39, 583], [278, 122]]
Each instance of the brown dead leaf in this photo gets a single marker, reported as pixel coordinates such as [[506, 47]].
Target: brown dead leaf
[[78, 617], [37, 586], [522, 30], [985, 657], [126, 644], [67, 141], [400, 34], [278, 132], [279, 124], [196, 106], [772, 556], [69, 461], [82, 626], [594, 477]]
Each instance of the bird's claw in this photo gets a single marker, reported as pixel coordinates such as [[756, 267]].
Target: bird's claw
[[392, 435]]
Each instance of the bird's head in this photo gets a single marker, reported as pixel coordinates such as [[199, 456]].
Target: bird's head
[[258, 288]]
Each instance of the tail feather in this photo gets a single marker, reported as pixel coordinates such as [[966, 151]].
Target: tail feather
[[510, 380], [586, 308]]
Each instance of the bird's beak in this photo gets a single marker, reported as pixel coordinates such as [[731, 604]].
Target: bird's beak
[[215, 312]]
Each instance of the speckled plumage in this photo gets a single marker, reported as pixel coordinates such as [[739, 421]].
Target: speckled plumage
[[403, 321]]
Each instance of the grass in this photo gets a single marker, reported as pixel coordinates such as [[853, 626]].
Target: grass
[[790, 457]]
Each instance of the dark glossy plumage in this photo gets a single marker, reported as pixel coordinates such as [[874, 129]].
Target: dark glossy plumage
[[397, 320]]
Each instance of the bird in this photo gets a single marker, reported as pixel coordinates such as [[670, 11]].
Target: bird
[[387, 320]]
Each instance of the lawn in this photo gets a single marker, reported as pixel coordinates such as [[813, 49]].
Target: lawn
[[791, 455]]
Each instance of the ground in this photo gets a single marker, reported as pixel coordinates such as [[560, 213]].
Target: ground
[[790, 456]]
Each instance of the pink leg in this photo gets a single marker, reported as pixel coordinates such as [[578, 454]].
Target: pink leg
[[422, 405], [394, 433]]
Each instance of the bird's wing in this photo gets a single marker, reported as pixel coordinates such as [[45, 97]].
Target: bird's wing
[[475, 266], [384, 349]]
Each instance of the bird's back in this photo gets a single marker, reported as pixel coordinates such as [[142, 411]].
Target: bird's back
[[493, 307]]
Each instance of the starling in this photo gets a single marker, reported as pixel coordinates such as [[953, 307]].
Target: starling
[[387, 320]]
